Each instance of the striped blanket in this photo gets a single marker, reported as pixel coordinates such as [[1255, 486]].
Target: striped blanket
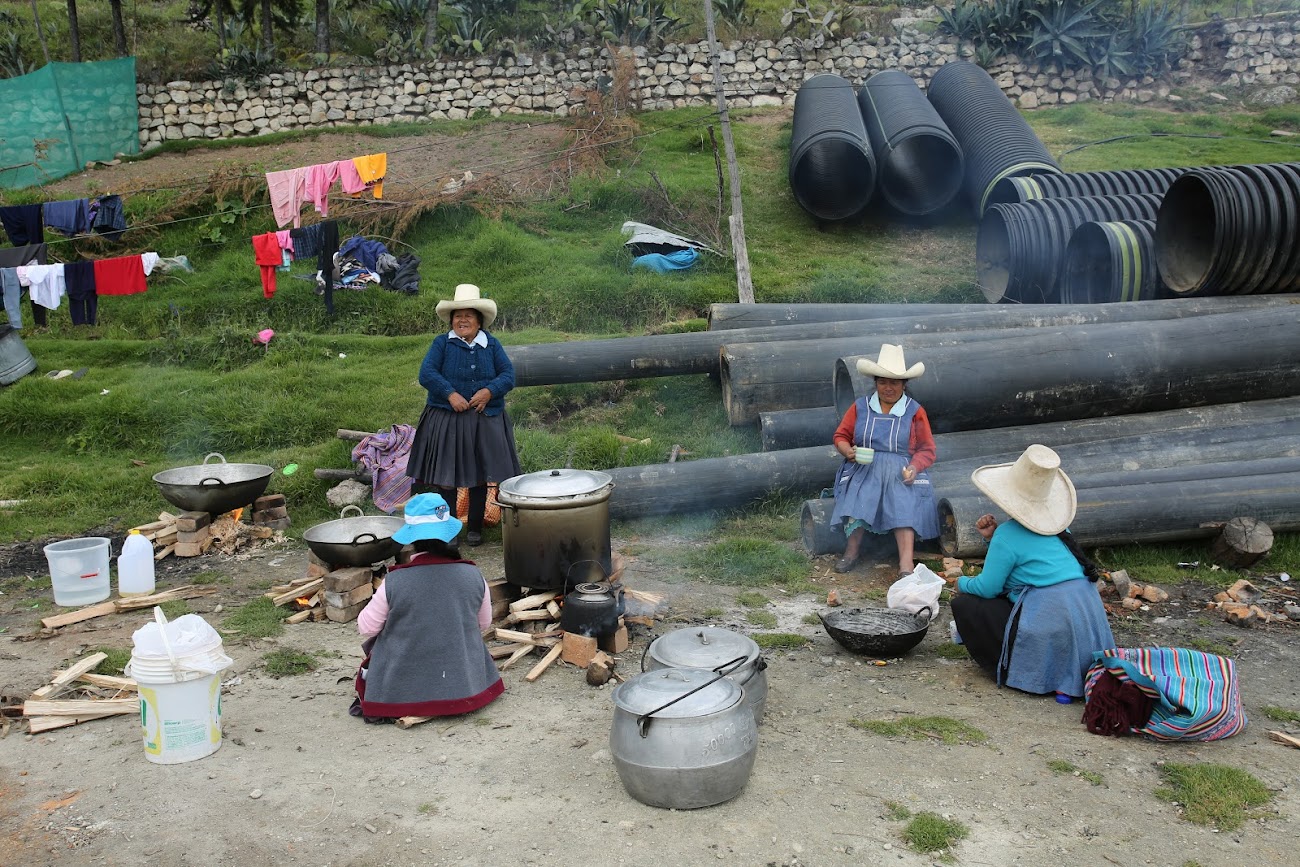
[[1196, 694], [384, 454]]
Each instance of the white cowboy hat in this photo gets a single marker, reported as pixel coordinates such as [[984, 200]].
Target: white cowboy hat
[[468, 298], [891, 364], [1034, 490]]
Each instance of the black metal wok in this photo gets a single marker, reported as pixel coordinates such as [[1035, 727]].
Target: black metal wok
[[215, 488], [885, 632], [357, 541]]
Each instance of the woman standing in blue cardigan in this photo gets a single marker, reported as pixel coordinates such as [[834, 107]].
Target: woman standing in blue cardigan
[[465, 438]]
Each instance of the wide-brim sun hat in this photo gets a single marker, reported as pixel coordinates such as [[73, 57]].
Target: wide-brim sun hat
[[890, 365], [427, 516], [468, 297], [1033, 490]]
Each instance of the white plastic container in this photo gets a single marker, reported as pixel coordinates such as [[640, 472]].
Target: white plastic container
[[176, 666], [79, 570], [135, 576]]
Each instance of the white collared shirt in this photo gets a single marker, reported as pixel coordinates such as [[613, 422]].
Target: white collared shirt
[[874, 402], [480, 339]]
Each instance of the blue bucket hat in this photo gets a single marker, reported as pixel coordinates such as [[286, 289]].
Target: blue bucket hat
[[427, 516]]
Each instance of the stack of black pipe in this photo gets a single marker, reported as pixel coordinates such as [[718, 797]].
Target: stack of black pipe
[[1108, 262], [832, 167], [1131, 182]]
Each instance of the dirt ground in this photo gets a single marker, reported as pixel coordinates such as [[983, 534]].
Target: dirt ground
[[529, 779]]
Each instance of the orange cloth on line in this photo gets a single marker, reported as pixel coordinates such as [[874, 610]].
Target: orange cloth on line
[[268, 256], [372, 169]]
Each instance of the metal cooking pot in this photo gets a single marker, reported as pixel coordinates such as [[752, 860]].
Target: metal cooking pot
[[682, 739], [711, 647], [877, 631], [215, 488], [555, 528], [358, 541]]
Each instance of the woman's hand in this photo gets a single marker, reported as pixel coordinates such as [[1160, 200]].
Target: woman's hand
[[985, 525], [480, 399], [458, 403], [909, 474]]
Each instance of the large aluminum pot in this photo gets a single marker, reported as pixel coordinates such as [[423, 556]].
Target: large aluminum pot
[[358, 541], [555, 528], [682, 738], [215, 488], [712, 647]]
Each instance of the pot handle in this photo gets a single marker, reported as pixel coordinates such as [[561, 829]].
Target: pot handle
[[360, 539], [643, 721], [214, 480], [928, 612], [343, 513], [512, 508], [215, 455]]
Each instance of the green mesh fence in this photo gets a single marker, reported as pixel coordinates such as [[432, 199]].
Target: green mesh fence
[[56, 119]]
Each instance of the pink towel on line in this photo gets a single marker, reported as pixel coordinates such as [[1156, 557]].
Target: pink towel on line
[[288, 191], [350, 179], [319, 180]]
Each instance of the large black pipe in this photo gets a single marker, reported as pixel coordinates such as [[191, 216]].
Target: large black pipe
[[1109, 262], [919, 162], [1073, 185], [995, 139], [794, 374], [797, 428], [1089, 371], [1019, 248], [832, 168], [1166, 511], [1231, 230]]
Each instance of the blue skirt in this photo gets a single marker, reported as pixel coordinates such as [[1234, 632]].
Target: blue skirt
[[874, 493]]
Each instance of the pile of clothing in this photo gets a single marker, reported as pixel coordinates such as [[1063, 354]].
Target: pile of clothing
[[356, 264]]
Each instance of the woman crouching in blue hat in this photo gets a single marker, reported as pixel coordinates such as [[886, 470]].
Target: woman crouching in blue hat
[[423, 627]]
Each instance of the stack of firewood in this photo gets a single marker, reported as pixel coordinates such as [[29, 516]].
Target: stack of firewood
[[88, 696], [125, 603], [192, 534]]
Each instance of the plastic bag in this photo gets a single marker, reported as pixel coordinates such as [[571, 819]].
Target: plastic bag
[[193, 644], [915, 591]]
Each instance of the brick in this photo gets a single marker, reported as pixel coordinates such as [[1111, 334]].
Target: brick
[[266, 516], [578, 649], [277, 524], [189, 522], [188, 549], [360, 593], [270, 501], [616, 641], [196, 536], [343, 580], [343, 615]]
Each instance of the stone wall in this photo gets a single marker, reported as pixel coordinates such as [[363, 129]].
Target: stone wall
[[1260, 54]]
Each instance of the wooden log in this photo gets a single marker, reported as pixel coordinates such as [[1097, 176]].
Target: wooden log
[[333, 475], [304, 590], [302, 615], [105, 680], [1242, 543], [553, 609], [536, 600], [79, 707], [514, 657], [513, 635], [69, 674], [355, 436], [504, 650], [526, 616], [38, 724], [1284, 738], [99, 609], [185, 591], [165, 551], [540, 668], [600, 669]]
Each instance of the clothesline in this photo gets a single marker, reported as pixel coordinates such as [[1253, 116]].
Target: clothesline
[[25, 268]]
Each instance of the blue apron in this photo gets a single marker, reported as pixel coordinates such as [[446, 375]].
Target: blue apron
[[874, 493]]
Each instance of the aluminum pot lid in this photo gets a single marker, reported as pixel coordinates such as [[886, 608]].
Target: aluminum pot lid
[[653, 689], [549, 484], [703, 647]]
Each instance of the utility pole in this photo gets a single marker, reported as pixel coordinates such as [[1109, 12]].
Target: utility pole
[[744, 282]]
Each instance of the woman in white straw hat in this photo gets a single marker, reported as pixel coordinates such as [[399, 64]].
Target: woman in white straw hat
[[1032, 618], [887, 446], [465, 438]]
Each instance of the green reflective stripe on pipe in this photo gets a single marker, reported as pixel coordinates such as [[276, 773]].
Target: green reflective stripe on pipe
[[1008, 172], [1132, 245]]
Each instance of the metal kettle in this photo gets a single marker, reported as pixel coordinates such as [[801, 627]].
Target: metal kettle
[[590, 609]]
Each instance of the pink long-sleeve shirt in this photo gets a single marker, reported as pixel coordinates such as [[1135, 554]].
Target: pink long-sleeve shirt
[[373, 617]]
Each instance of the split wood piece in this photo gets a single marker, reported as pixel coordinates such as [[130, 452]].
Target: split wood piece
[[343, 580], [537, 600], [553, 609], [344, 615], [514, 635], [154, 526], [305, 590], [526, 616], [1243, 591], [332, 475], [38, 724], [505, 650], [192, 522], [99, 609], [406, 722], [600, 669], [1242, 543], [352, 597], [165, 552], [616, 641], [79, 707], [166, 537], [112, 606], [1284, 738], [578, 649], [68, 675], [651, 599], [540, 668], [302, 615], [105, 680], [515, 657]]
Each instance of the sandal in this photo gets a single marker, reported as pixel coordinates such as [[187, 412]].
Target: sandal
[[844, 564]]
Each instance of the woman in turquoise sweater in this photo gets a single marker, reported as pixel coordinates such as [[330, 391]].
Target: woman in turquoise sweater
[[1032, 618], [465, 438]]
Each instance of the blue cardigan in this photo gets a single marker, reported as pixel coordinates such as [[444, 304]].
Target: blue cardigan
[[455, 366]]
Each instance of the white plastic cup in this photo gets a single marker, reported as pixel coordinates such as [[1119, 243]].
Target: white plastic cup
[[79, 570], [135, 572]]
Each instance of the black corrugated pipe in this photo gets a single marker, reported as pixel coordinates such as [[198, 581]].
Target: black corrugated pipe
[[1107, 262], [1020, 248], [832, 168], [920, 162], [996, 141], [1231, 230], [1013, 191]]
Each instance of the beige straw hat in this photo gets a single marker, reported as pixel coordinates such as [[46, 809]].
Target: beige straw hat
[[891, 364], [468, 297], [1034, 490]]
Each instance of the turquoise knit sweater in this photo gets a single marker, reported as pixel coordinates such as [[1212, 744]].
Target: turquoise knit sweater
[[1020, 558]]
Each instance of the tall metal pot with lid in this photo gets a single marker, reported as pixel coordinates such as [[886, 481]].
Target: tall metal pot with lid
[[711, 647], [682, 739], [555, 528]]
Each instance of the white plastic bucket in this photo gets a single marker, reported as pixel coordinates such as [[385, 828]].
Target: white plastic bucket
[[79, 570], [180, 700]]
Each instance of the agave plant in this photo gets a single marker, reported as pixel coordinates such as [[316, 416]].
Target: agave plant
[[735, 14], [636, 22], [1064, 32], [1157, 36], [470, 34], [964, 20], [1004, 24], [11, 56], [1111, 56]]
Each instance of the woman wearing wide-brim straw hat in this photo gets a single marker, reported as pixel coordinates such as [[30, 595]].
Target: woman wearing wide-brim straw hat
[[465, 438], [1032, 618], [887, 446]]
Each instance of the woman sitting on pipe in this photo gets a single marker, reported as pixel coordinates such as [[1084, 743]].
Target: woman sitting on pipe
[[887, 447], [1032, 618], [425, 654]]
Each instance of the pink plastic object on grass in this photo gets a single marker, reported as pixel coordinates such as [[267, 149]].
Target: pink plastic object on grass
[[264, 336]]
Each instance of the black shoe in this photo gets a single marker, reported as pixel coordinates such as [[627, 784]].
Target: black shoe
[[473, 538], [844, 564]]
